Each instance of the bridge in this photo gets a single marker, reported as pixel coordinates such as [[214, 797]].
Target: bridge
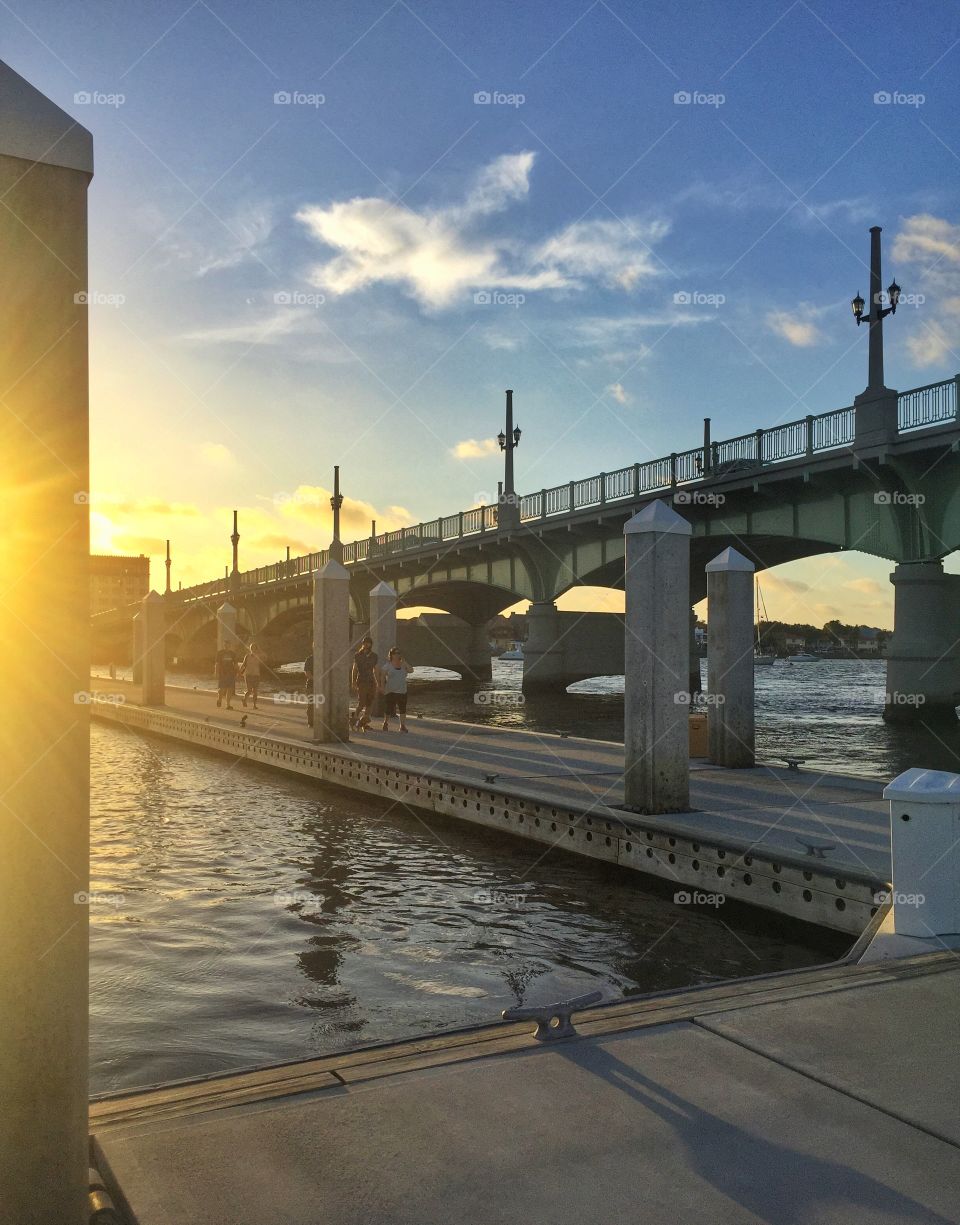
[[880, 477]]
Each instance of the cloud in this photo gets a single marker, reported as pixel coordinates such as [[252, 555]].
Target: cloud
[[217, 455], [932, 245], [619, 394], [800, 332], [472, 448], [926, 236], [438, 256], [865, 586]]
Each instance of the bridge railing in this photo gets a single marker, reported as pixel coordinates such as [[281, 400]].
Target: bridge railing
[[933, 404]]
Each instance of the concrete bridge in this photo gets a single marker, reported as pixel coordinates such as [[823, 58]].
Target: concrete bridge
[[879, 477]]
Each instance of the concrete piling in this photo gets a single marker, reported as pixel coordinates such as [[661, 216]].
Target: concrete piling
[[383, 619], [730, 659], [656, 656], [331, 654], [153, 618]]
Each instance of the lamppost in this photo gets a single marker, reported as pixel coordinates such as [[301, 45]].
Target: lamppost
[[167, 564], [876, 406], [235, 541], [508, 511], [335, 551]]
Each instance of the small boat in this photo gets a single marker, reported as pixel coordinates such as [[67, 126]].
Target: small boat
[[803, 658], [761, 658], [515, 653]]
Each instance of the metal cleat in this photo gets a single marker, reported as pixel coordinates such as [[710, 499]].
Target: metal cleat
[[816, 849], [794, 763], [553, 1020]]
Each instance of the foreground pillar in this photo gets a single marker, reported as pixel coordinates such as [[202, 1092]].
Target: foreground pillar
[[656, 661], [923, 659], [153, 618], [543, 654], [383, 619], [730, 659], [136, 631], [227, 627], [925, 853], [46, 160], [331, 654]]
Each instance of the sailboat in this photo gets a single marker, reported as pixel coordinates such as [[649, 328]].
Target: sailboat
[[760, 659]]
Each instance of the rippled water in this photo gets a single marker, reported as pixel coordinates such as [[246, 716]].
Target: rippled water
[[245, 917]]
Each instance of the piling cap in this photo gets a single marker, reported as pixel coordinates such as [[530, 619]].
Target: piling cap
[[730, 560], [658, 517], [332, 569], [918, 786], [37, 130], [383, 589]]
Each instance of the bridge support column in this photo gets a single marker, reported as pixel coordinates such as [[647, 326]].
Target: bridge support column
[[383, 619], [153, 619], [695, 685], [227, 627], [477, 667], [136, 632], [923, 659], [656, 661], [730, 654], [331, 654], [543, 653]]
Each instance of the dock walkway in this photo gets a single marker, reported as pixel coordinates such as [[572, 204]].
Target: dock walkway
[[809, 845], [819, 1097]]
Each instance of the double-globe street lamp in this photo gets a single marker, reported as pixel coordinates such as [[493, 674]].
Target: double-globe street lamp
[[876, 406], [508, 510]]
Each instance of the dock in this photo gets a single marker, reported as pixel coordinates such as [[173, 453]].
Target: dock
[[799, 843], [826, 1096]]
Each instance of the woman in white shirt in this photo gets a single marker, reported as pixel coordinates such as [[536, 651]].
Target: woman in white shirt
[[393, 685]]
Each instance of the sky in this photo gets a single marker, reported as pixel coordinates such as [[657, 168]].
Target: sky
[[335, 233]]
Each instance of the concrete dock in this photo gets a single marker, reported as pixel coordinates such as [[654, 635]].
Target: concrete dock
[[826, 1096], [803, 844]]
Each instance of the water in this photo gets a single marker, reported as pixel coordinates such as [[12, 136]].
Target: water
[[251, 918]]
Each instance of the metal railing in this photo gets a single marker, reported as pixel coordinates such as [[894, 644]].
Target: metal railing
[[922, 406]]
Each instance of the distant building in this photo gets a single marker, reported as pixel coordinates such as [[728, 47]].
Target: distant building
[[116, 581], [794, 642]]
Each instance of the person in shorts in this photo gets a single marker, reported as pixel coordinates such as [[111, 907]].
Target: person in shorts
[[250, 671], [226, 673], [363, 682], [392, 677]]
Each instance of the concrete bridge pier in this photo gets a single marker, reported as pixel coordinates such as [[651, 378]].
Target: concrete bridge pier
[[477, 666], [227, 627], [383, 619], [923, 660], [543, 653], [730, 647], [152, 617], [136, 632]]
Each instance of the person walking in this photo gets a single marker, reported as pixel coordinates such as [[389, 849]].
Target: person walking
[[393, 683], [308, 684], [225, 670], [363, 682], [250, 669]]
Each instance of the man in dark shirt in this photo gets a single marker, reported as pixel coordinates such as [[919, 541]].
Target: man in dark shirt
[[308, 686], [363, 681]]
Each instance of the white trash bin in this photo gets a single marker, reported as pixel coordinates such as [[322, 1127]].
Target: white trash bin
[[925, 852]]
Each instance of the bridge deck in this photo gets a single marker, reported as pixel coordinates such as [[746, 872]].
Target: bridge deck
[[768, 813]]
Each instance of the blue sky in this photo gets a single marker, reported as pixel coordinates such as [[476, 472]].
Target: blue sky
[[299, 279]]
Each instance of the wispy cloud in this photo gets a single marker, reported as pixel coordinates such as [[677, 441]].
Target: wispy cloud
[[803, 333], [932, 245], [472, 448], [618, 392]]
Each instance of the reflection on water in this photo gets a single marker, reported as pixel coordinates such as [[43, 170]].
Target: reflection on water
[[249, 918]]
